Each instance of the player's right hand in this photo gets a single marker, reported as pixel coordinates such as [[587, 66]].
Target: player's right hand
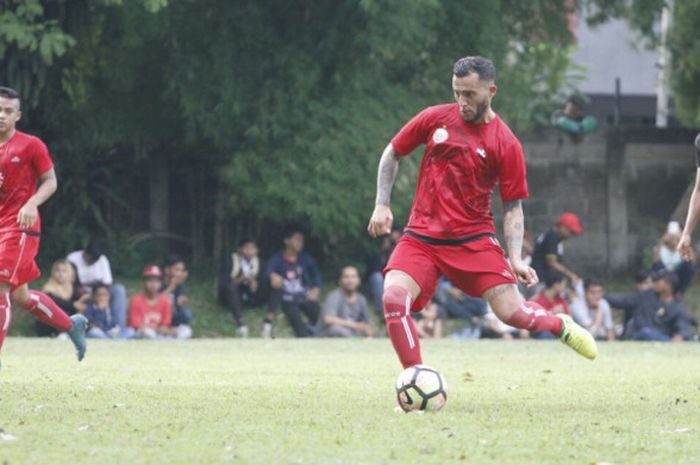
[[685, 247], [381, 221]]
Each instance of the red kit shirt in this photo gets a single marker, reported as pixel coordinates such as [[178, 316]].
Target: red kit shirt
[[142, 313], [462, 164], [23, 159]]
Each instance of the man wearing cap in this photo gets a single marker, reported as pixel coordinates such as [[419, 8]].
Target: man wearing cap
[[656, 313], [684, 244], [150, 312], [549, 248]]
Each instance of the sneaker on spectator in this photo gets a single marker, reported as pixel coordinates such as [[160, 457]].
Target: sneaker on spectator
[[242, 331], [266, 332]]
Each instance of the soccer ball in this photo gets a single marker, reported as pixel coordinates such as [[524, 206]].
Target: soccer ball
[[421, 388]]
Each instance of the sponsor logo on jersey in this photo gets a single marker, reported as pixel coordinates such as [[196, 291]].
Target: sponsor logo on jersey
[[5, 272], [481, 152], [440, 135]]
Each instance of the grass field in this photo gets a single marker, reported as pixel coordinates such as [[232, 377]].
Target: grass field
[[288, 401]]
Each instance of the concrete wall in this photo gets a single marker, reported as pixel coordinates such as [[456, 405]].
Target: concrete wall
[[623, 185]]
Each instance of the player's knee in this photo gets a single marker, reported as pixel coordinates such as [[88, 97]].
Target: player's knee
[[396, 302]]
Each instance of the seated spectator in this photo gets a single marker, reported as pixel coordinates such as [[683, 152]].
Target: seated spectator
[[457, 304], [552, 298], [493, 328], [375, 269], [429, 321], [102, 322], [591, 310], [667, 257], [175, 275], [295, 283], [62, 289], [150, 312], [92, 267], [549, 247], [238, 283], [657, 315], [344, 312], [573, 120]]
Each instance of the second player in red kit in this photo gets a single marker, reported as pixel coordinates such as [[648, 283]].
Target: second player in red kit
[[469, 150], [27, 180]]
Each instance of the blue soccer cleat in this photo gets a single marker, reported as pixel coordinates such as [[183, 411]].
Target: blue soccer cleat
[[77, 335]]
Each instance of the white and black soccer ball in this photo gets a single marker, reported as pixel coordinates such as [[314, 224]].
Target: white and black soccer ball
[[421, 388]]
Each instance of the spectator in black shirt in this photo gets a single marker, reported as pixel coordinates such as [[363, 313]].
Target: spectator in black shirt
[[656, 313], [549, 247]]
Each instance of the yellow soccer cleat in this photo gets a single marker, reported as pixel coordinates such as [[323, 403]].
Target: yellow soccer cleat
[[577, 337]]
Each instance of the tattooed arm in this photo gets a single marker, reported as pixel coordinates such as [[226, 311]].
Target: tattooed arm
[[382, 218], [514, 229]]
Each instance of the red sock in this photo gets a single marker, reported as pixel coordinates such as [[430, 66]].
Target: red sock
[[399, 325], [533, 317], [5, 316], [45, 310]]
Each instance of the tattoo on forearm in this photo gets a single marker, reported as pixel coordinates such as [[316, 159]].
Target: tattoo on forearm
[[513, 227], [388, 167]]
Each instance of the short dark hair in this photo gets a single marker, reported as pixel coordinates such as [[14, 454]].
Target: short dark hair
[[173, 259], [289, 232], [97, 286], [476, 64], [577, 101], [553, 277], [592, 282], [9, 93], [95, 248], [246, 240]]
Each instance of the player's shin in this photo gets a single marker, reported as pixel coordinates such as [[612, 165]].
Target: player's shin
[[5, 316], [45, 310], [400, 326], [533, 317]]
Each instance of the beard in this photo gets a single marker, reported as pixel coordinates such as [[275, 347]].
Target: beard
[[479, 112]]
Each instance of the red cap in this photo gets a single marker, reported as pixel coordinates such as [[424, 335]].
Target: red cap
[[152, 271], [571, 221]]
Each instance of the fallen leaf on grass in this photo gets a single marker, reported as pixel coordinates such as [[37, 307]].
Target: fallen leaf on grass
[[676, 431], [466, 376], [513, 387]]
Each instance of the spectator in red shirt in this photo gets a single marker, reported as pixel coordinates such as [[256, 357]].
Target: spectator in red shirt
[[552, 298], [150, 312]]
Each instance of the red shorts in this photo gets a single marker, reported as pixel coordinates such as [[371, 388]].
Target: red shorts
[[17, 252], [472, 267]]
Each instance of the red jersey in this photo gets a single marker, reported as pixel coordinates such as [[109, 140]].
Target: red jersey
[[142, 313], [23, 159], [462, 164], [550, 304]]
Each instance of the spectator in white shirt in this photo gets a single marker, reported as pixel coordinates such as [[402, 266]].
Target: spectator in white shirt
[[591, 310], [92, 267]]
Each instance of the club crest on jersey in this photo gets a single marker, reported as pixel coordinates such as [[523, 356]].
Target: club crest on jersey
[[440, 135], [15, 159], [481, 152]]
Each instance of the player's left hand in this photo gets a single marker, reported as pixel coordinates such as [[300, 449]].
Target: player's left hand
[[525, 274], [685, 247], [26, 218]]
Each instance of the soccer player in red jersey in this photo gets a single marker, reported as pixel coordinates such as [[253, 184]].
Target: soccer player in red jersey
[[469, 150], [27, 180]]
